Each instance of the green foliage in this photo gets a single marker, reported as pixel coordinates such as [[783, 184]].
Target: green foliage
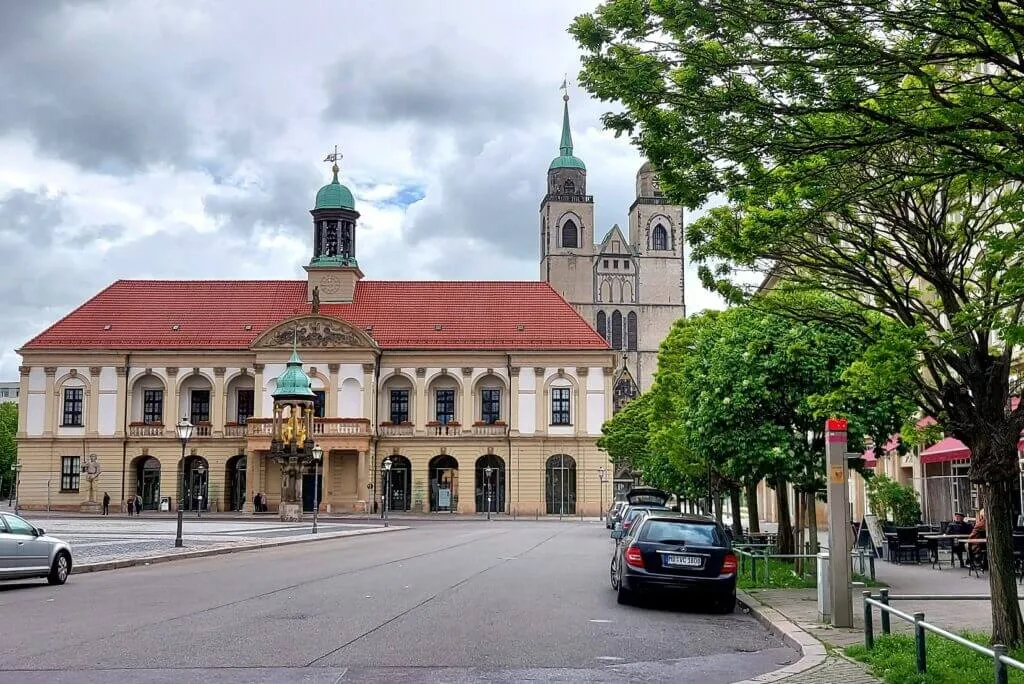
[[8, 445], [890, 500], [625, 436], [893, 660]]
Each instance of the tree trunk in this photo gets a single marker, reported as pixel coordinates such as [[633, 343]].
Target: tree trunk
[[798, 531], [812, 523], [737, 516], [718, 508], [785, 536], [754, 515], [1007, 628]]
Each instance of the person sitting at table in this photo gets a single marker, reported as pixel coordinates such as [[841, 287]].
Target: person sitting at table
[[977, 550], [958, 526]]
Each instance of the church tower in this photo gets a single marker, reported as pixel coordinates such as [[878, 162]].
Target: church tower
[[656, 238], [333, 270], [567, 225]]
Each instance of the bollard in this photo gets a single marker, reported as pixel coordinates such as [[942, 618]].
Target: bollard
[[871, 565], [884, 598], [1001, 674], [869, 627], [922, 659]]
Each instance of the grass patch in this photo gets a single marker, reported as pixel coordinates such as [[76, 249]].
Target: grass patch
[[781, 574], [893, 660]]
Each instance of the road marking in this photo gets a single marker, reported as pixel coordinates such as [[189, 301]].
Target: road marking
[[600, 620], [609, 658]]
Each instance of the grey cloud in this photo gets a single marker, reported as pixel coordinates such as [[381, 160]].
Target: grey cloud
[[29, 217], [280, 205]]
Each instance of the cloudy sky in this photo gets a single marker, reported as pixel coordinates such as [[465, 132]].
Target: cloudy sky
[[183, 139]]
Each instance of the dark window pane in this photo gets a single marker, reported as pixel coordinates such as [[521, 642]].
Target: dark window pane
[[631, 331], [73, 407], [399, 406], [199, 407], [664, 532], [560, 408], [659, 238], [602, 324], [70, 470], [616, 330], [490, 404], [246, 405], [570, 235], [319, 403], [153, 406], [445, 404]]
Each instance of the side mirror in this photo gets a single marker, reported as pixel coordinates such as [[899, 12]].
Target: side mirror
[[40, 531], [618, 534]]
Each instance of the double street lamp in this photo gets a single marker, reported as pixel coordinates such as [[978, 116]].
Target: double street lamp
[[387, 488], [184, 431], [487, 488], [602, 475], [318, 455]]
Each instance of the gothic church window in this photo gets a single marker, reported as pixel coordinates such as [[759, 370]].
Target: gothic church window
[[570, 235], [616, 330], [659, 240], [631, 331], [602, 324]]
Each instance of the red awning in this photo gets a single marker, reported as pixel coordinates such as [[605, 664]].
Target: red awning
[[949, 449]]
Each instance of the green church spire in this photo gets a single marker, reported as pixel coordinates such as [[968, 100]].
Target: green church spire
[[565, 158]]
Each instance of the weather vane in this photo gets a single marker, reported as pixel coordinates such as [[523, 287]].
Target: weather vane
[[334, 156], [565, 87]]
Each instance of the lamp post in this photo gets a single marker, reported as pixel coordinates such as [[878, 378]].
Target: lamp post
[[487, 488], [184, 432], [16, 468], [387, 488], [602, 476], [318, 454]]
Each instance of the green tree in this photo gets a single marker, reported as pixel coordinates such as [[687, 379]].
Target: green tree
[[746, 392], [626, 438], [8, 444], [863, 153]]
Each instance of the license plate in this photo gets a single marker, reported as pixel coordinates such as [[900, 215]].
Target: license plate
[[684, 561]]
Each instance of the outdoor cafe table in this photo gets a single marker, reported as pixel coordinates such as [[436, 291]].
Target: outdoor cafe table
[[938, 539]]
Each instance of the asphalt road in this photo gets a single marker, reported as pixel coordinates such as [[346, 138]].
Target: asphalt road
[[451, 602]]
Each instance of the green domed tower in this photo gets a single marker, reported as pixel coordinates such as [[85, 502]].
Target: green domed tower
[[333, 270]]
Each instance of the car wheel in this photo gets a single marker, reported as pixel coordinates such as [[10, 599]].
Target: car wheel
[[60, 570], [614, 576], [624, 596], [726, 604]]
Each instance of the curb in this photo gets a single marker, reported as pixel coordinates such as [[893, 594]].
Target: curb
[[812, 650], [202, 553]]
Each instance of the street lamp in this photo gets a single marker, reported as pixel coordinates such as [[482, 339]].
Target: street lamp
[[184, 431], [487, 488], [318, 454], [387, 488], [16, 468], [602, 475]]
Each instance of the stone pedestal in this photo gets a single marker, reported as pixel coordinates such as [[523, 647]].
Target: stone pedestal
[[90, 507], [290, 512]]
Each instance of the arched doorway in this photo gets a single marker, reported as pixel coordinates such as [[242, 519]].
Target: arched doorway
[[560, 485], [444, 484], [234, 477], [400, 485], [195, 482], [147, 482], [495, 485]]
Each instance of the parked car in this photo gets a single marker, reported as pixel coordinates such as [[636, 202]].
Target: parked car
[[634, 513], [26, 551], [612, 516], [677, 553]]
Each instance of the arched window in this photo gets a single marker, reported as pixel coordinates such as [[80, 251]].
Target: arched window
[[569, 188], [659, 240], [570, 235], [616, 330], [560, 485], [631, 331], [602, 324]]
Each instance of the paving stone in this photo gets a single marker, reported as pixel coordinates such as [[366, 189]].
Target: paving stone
[[834, 670]]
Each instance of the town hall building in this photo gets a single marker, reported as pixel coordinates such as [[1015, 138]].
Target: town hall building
[[477, 395]]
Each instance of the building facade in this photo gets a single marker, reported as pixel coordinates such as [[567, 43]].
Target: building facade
[[629, 287], [444, 379], [9, 392]]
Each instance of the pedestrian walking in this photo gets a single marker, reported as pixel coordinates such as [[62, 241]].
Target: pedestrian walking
[[138, 505], [106, 503], [131, 506]]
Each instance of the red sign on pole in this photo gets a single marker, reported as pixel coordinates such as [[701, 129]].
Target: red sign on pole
[[836, 425]]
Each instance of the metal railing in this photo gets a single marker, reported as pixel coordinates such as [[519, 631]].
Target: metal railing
[[749, 552], [1000, 661]]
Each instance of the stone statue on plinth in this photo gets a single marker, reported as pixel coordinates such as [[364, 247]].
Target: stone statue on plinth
[[91, 469]]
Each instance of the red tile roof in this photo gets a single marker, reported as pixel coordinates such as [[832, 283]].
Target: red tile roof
[[213, 314]]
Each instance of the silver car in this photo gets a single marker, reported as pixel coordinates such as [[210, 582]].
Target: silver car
[[26, 551]]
